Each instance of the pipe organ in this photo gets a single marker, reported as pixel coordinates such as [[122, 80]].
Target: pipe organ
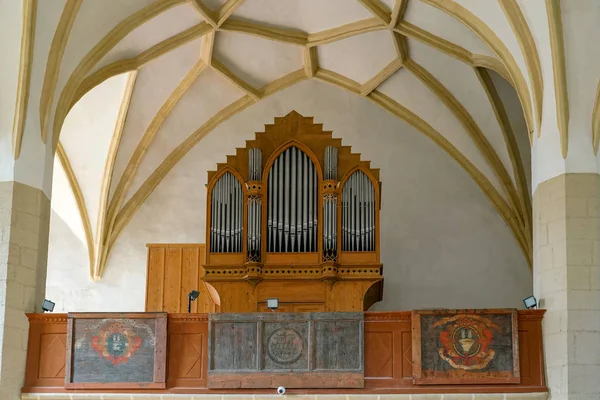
[[294, 215]]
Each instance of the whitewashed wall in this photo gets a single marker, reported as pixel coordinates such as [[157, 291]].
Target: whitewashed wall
[[443, 244]]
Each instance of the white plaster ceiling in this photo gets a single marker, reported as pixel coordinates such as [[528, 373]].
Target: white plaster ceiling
[[183, 93]]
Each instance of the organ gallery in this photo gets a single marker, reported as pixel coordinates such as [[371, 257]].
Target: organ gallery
[[294, 215]]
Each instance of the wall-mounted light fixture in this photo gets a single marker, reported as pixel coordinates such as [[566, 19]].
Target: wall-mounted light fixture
[[193, 295], [530, 302], [273, 304], [47, 305]]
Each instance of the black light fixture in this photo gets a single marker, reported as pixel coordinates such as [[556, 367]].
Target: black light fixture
[[273, 304], [530, 302], [47, 305], [191, 297]]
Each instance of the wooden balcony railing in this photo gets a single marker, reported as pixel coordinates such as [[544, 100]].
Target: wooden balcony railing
[[387, 364]]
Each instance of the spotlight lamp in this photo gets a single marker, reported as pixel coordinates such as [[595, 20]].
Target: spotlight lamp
[[273, 304], [193, 295], [530, 302], [47, 305]]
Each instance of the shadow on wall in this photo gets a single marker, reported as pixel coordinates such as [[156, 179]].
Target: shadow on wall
[[68, 281]]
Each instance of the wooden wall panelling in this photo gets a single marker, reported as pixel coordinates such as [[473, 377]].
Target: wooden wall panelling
[[46, 350], [388, 355], [187, 353], [173, 271]]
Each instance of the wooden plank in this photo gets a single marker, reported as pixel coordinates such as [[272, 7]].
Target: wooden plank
[[155, 279], [172, 299], [189, 278]]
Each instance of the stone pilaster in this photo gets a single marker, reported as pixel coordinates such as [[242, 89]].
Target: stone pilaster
[[567, 282], [24, 224]]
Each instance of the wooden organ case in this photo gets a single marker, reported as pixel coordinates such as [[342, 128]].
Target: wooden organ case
[[295, 216]]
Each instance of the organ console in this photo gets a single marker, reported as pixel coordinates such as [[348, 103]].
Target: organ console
[[294, 215]]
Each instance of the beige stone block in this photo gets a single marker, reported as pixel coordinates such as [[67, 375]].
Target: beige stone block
[[14, 337], [14, 252], [557, 231], [528, 396], [587, 348], [26, 199], [27, 222], [555, 321], [458, 396], [553, 210], [584, 379], [581, 185], [13, 359], [14, 295], [584, 299], [556, 347], [551, 189], [6, 195], [29, 298], [583, 320], [580, 251], [24, 238], [28, 258], [545, 258], [593, 207], [553, 280], [578, 278], [488, 396], [559, 254], [582, 228], [595, 278], [426, 397], [25, 276], [577, 207]]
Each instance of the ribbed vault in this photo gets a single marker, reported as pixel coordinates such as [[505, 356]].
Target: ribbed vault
[[164, 74]]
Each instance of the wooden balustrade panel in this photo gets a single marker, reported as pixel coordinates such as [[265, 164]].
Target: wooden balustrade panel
[[387, 356]]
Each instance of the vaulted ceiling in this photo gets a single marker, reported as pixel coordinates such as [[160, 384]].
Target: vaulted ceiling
[[131, 86]]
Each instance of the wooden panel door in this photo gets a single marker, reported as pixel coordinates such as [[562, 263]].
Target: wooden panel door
[[173, 271]]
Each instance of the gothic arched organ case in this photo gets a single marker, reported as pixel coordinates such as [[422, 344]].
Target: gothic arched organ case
[[294, 215]]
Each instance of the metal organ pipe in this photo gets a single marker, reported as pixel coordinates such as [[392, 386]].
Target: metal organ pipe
[[226, 215], [330, 206], [291, 208], [255, 206], [358, 213]]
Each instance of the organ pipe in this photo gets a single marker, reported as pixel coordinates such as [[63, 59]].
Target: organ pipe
[[226, 229], [254, 206], [358, 213], [291, 203], [330, 207]]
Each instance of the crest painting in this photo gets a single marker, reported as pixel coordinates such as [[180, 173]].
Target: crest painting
[[125, 351], [465, 346]]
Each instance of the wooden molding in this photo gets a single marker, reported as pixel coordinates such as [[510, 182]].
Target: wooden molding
[[596, 121], [140, 151], [110, 40], [489, 37], [285, 35], [401, 43], [206, 13], [470, 126], [513, 151], [208, 46], [311, 61], [380, 77], [560, 72], [244, 86], [226, 10], [55, 55], [107, 175], [517, 21], [453, 50], [398, 12], [79, 199], [24, 79], [344, 31], [129, 64], [378, 10], [336, 79]]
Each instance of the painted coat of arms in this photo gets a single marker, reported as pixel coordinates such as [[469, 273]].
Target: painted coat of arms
[[115, 349], [468, 345]]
